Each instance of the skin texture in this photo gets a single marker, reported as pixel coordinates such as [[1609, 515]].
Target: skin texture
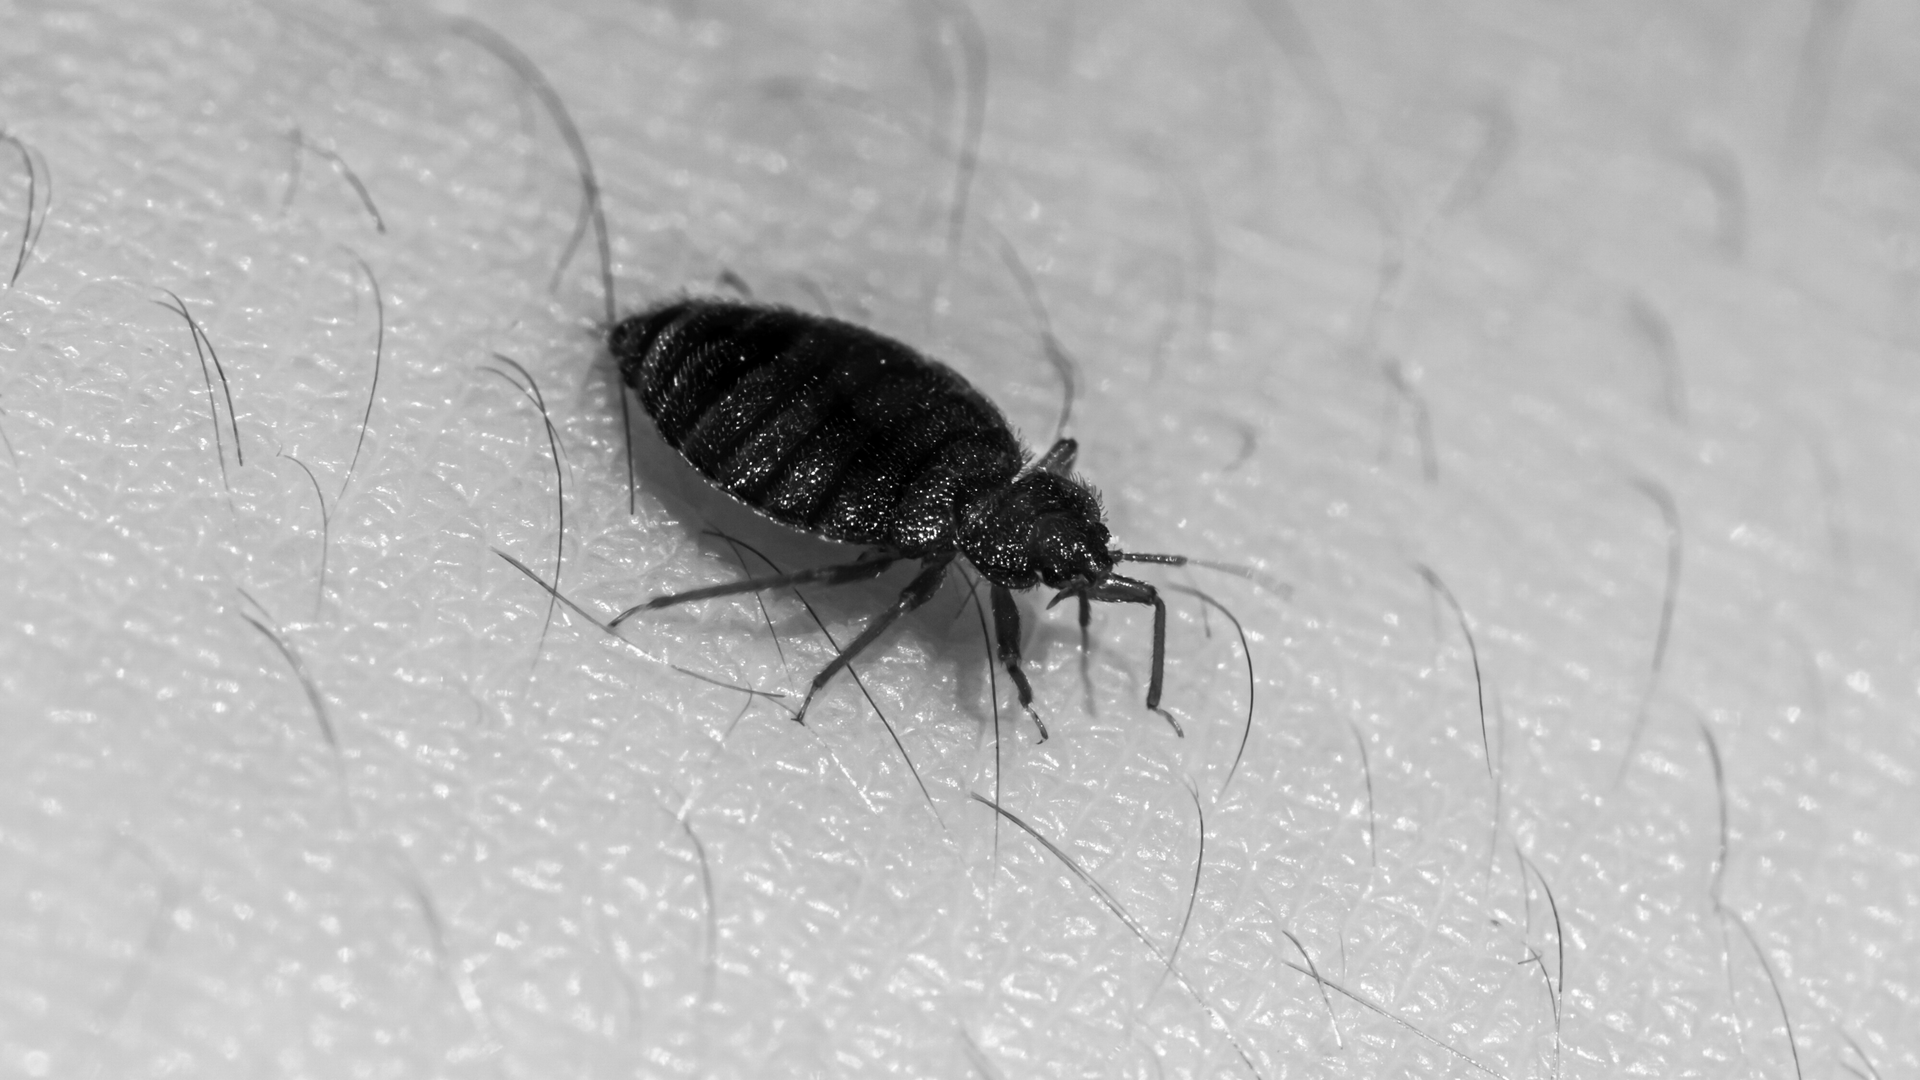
[[1583, 329]]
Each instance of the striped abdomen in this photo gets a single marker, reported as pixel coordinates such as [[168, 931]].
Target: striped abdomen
[[815, 422]]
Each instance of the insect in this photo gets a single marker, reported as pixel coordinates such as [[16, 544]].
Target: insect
[[836, 430]]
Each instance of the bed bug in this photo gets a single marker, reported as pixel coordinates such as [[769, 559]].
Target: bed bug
[[836, 430]]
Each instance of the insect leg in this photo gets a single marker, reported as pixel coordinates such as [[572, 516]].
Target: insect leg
[[1059, 457], [1006, 627], [830, 575], [1125, 590], [1086, 648], [1159, 675], [918, 591]]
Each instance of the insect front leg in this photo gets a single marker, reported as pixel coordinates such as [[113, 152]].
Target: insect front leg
[[1006, 629], [1125, 590], [918, 591], [1086, 647]]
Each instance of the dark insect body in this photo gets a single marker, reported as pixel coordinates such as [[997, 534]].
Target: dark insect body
[[838, 431]]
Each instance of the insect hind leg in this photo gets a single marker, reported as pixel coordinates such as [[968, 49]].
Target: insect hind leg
[[918, 591], [859, 570]]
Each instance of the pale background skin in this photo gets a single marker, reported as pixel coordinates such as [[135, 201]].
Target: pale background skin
[[1611, 250]]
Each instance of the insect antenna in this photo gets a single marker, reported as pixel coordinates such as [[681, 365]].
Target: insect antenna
[[1259, 577]]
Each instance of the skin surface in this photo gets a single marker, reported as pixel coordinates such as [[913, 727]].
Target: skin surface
[[1586, 329]]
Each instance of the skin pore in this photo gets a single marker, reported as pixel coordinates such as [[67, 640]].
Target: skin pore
[[1551, 363]]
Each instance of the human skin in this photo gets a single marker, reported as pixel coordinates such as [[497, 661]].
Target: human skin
[[1487, 332]]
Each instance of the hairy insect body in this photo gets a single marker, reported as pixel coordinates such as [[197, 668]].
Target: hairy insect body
[[837, 430]]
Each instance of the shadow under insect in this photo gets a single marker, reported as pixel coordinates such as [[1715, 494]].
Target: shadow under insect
[[839, 432]]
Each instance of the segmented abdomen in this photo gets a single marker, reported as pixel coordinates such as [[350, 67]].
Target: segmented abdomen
[[817, 423]]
